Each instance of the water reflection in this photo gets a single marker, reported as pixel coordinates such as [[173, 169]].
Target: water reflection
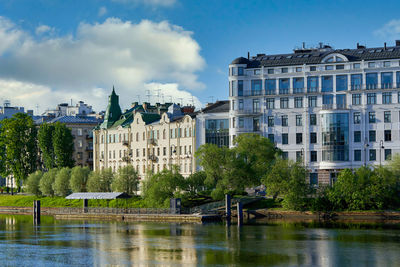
[[66, 243]]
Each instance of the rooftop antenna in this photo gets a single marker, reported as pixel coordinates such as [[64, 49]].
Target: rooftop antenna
[[163, 100], [212, 99], [138, 96], [148, 94], [181, 101], [71, 102], [159, 94], [192, 100], [37, 109]]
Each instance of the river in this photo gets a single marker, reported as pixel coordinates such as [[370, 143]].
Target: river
[[81, 243]]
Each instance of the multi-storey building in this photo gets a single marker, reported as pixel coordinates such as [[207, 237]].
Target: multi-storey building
[[330, 108], [150, 138]]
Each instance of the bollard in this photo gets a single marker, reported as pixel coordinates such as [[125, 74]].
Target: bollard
[[85, 205], [240, 213], [228, 204], [36, 211]]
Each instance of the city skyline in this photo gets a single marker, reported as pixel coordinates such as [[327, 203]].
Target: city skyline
[[53, 52]]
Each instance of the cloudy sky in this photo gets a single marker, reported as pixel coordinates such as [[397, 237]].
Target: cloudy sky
[[52, 51]]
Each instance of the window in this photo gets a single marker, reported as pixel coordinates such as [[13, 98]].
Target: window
[[257, 72], [298, 85], [312, 101], [357, 136], [372, 154], [388, 135], [284, 120], [341, 83], [298, 102], [270, 71], [299, 156], [299, 120], [256, 105], [371, 81], [256, 87], [313, 68], [327, 100], [270, 86], [372, 136], [283, 86], [356, 81], [356, 99], [240, 71], [240, 88], [240, 105], [312, 84], [313, 138], [356, 65], [314, 179], [371, 98], [284, 102], [386, 64], [284, 70], [327, 83], [285, 155], [371, 117], [357, 117], [357, 155], [271, 138], [313, 156], [313, 119], [79, 131], [299, 69], [329, 67], [241, 122], [388, 154], [371, 64], [164, 151], [386, 80], [299, 138], [270, 103], [233, 106], [387, 116], [271, 122], [285, 139], [80, 143], [340, 67], [387, 98]]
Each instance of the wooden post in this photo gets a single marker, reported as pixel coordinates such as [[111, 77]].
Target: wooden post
[[36, 211], [228, 204], [240, 213], [85, 205]]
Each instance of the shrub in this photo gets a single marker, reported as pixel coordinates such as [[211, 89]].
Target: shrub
[[100, 181], [47, 181], [126, 180], [79, 178], [32, 183], [61, 183]]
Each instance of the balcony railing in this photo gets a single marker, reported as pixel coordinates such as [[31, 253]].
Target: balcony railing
[[248, 112], [332, 106]]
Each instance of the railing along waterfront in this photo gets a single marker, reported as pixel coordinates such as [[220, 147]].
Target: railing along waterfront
[[95, 210]]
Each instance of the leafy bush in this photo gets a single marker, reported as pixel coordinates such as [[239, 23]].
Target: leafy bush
[[47, 181], [126, 180], [32, 183], [100, 181], [61, 182], [79, 178]]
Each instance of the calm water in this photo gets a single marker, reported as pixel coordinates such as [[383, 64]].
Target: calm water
[[65, 243]]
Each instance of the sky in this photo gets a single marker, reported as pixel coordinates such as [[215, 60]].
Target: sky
[[55, 51]]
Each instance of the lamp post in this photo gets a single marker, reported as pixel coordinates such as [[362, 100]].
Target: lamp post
[[302, 156], [380, 153], [366, 145]]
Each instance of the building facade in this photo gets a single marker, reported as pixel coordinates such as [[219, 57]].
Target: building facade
[[329, 108], [150, 138]]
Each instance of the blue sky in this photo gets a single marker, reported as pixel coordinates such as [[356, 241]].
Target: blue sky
[[208, 36]]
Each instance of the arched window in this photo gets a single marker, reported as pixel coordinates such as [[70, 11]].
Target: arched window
[[164, 134], [137, 137]]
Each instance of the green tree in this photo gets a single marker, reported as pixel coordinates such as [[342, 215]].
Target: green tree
[[195, 182], [287, 179], [47, 181], [100, 181], [63, 143], [32, 183], [61, 183], [45, 140], [18, 141], [79, 178], [160, 187], [126, 180]]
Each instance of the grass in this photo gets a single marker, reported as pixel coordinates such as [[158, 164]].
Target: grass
[[48, 202]]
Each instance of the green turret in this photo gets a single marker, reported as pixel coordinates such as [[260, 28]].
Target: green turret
[[113, 112]]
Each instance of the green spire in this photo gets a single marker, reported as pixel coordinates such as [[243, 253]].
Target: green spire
[[113, 112]]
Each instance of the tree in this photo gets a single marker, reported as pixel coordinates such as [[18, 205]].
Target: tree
[[100, 181], [61, 182], [32, 183], [126, 180], [47, 181], [79, 178], [195, 182], [287, 179], [18, 140], [45, 140], [160, 187], [63, 143]]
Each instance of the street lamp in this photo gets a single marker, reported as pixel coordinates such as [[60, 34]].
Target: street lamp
[[380, 153]]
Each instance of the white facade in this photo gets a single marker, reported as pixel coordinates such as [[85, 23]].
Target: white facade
[[323, 105]]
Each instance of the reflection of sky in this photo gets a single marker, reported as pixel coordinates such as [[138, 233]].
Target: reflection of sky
[[60, 243]]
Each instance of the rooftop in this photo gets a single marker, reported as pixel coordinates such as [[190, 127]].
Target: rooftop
[[217, 107], [74, 119], [99, 195]]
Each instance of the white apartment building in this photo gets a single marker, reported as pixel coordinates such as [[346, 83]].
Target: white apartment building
[[147, 140], [330, 108]]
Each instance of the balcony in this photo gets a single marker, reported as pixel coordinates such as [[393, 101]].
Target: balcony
[[256, 112], [153, 158], [152, 141], [89, 148], [333, 107], [125, 143]]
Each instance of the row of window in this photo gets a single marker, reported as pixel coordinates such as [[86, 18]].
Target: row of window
[[155, 168], [182, 150], [356, 155], [313, 84]]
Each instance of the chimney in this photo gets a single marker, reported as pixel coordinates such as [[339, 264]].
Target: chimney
[[248, 55], [397, 42], [384, 45], [304, 45], [320, 45]]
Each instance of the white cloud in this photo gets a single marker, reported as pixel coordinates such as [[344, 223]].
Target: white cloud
[[43, 29], [153, 3], [133, 57], [390, 30], [102, 11]]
